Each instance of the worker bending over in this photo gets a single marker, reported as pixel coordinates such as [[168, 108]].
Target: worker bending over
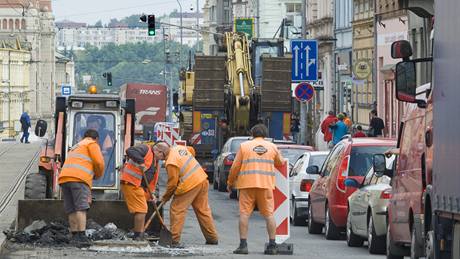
[[140, 159], [253, 173], [84, 163], [188, 182]]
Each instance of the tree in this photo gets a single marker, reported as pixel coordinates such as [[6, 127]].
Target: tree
[[98, 24]]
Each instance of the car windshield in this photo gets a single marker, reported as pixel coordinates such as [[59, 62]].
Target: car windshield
[[361, 159], [104, 124], [292, 153], [235, 145], [317, 160]]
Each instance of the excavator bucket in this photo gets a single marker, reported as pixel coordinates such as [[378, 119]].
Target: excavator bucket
[[101, 211]]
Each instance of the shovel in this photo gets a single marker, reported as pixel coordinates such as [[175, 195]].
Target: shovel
[[147, 223], [165, 234]]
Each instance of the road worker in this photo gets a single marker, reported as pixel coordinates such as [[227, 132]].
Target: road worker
[[133, 186], [188, 183], [191, 150], [84, 163], [253, 173]]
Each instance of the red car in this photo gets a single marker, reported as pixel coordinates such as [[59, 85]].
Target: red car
[[350, 158]]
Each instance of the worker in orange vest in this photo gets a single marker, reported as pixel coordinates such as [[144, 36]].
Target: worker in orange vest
[[84, 163], [188, 183], [253, 173], [140, 160], [191, 150]]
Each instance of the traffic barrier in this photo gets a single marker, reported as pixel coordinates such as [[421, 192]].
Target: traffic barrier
[[196, 139], [167, 132]]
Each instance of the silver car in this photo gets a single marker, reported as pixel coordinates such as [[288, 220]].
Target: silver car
[[300, 184], [367, 210]]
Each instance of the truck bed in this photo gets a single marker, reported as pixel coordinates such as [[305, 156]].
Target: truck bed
[[210, 77], [276, 84]]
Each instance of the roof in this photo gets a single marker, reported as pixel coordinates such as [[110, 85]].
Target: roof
[[372, 141], [294, 146]]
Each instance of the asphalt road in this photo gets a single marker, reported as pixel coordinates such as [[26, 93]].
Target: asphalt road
[[225, 213]]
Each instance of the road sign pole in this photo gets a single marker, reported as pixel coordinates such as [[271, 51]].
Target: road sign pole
[[303, 121]]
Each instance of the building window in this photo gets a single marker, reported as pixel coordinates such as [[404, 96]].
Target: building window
[[10, 24], [293, 8], [16, 24], [356, 7], [23, 24]]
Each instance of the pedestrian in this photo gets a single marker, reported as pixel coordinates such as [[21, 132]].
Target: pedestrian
[[347, 120], [295, 128], [25, 125], [134, 188], [225, 130], [330, 119], [188, 185], [253, 174], [84, 163], [376, 125], [359, 132], [338, 129]]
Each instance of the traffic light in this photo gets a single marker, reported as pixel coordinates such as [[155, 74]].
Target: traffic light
[[108, 76], [151, 25]]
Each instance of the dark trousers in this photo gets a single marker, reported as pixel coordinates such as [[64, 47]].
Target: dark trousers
[[25, 135]]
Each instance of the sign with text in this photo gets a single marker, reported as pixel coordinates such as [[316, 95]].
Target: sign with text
[[245, 25]]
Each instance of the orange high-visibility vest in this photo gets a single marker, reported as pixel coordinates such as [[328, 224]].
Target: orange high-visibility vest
[[132, 171], [84, 161], [190, 172], [257, 160]]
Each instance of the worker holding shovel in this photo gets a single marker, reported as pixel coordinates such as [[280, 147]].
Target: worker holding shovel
[[135, 190], [188, 183]]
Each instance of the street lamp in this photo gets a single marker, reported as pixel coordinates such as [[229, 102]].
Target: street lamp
[[180, 49]]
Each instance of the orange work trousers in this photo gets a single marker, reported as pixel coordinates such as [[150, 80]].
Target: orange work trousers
[[198, 198]]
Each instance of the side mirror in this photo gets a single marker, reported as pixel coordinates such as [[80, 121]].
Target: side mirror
[[379, 164], [401, 49], [350, 182], [40, 128], [313, 169], [406, 82]]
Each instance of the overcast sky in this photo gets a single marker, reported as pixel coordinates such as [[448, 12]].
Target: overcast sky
[[90, 11]]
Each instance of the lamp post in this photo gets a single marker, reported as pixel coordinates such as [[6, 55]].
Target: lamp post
[[180, 52]]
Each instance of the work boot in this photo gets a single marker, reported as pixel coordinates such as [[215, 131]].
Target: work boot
[[241, 250], [271, 249], [80, 240], [139, 236], [177, 245], [212, 242]]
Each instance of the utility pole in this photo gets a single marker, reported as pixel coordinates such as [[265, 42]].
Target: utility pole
[[197, 24], [303, 119], [258, 18], [180, 49], [10, 129]]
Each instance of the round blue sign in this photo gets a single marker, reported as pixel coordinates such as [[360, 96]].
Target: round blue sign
[[304, 92]]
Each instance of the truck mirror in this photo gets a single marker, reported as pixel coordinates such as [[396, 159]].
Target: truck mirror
[[401, 49], [406, 82], [379, 164], [40, 128]]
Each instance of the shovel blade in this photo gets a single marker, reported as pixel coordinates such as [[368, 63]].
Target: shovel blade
[[165, 237]]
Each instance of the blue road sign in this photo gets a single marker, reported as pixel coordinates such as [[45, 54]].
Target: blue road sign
[[304, 92], [66, 90], [304, 60]]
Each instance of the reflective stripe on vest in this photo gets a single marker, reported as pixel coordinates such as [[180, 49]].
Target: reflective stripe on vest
[[76, 166], [182, 170], [75, 155], [130, 161], [258, 160], [183, 178], [132, 173], [257, 172]]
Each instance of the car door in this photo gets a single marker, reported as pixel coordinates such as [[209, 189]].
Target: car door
[[320, 187], [220, 158], [295, 176], [361, 204]]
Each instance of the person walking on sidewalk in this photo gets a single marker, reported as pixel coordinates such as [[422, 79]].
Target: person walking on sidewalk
[[359, 132], [25, 125], [135, 190], [330, 119], [339, 129], [253, 174], [188, 185], [84, 163]]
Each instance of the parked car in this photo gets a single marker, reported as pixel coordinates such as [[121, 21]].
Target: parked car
[[224, 161], [292, 152], [300, 184], [368, 206], [350, 158]]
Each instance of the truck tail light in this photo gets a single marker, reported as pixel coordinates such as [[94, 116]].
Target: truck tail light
[[343, 173], [386, 194], [228, 160], [305, 185]]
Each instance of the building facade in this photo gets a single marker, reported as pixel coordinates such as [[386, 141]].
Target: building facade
[[363, 93], [65, 73], [34, 23], [218, 18], [189, 20]]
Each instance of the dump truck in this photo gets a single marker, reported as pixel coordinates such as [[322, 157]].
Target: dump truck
[[114, 122], [221, 87], [151, 102]]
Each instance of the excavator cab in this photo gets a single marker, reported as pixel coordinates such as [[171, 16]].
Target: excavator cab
[[114, 121]]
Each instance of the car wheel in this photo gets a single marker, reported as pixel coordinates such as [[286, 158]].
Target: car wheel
[[375, 244], [353, 240], [392, 251], [297, 220], [313, 227], [416, 251], [331, 232], [222, 185]]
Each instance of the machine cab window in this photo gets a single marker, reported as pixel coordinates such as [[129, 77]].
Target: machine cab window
[[104, 124]]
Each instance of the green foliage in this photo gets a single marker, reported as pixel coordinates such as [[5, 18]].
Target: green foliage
[[141, 62]]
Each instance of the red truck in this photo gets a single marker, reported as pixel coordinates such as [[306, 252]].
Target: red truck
[[150, 105]]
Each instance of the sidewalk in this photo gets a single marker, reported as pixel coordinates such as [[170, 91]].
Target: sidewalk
[[14, 158]]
